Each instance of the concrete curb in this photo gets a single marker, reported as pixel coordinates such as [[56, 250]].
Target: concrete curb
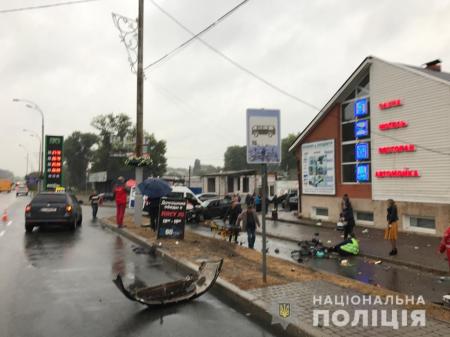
[[420, 267], [229, 293]]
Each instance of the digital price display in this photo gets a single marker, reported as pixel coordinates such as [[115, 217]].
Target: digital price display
[[362, 151], [361, 128], [362, 173], [360, 108], [53, 161]]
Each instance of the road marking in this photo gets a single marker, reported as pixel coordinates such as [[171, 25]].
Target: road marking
[[9, 223], [2, 233]]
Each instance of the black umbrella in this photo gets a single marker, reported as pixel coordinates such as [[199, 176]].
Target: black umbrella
[[154, 188]]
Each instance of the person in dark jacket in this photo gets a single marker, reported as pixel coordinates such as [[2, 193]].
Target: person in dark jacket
[[95, 200], [347, 214], [153, 211], [391, 231], [232, 215], [249, 220]]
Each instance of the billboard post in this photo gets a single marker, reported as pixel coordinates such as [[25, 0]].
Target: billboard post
[[53, 174]]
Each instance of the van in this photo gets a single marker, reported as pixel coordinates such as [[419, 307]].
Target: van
[[194, 206]]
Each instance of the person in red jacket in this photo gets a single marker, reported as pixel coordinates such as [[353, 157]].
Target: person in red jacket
[[120, 194], [445, 245]]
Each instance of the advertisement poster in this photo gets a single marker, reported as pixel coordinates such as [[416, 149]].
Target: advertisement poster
[[318, 171], [263, 136], [53, 162], [172, 218]]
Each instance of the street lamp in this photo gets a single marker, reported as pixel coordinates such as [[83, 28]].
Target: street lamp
[[23, 147], [34, 106], [35, 135]]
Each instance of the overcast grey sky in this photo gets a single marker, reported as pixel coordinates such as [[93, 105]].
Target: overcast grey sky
[[69, 60]]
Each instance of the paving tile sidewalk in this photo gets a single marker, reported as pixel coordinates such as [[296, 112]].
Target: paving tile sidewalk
[[414, 250], [300, 297]]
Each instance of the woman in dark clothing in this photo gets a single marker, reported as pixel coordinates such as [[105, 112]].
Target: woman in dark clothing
[[391, 232], [232, 214], [347, 214]]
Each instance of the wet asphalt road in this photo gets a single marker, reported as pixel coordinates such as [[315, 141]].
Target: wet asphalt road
[[387, 275], [58, 283]]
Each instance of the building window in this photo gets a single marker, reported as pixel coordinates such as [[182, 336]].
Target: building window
[[230, 183], [211, 184], [355, 135], [238, 183], [420, 224], [245, 183], [364, 217], [320, 212]]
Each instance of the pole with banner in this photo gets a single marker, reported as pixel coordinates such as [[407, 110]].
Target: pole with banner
[[263, 147]]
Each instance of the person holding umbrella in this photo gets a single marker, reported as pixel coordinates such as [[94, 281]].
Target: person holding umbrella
[[154, 189]]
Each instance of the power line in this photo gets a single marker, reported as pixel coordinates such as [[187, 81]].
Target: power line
[[58, 4], [195, 36], [226, 57]]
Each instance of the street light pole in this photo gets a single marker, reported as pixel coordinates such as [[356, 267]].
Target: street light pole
[[35, 135], [26, 151], [34, 106], [139, 114]]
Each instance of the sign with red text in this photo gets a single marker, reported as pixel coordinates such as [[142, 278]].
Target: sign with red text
[[172, 218], [397, 148], [390, 104], [392, 125], [405, 173], [53, 162]]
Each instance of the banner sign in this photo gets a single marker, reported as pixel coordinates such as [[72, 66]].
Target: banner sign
[[318, 170], [53, 162], [172, 218], [263, 136]]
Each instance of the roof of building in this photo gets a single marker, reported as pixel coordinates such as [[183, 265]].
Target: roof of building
[[440, 76], [230, 173]]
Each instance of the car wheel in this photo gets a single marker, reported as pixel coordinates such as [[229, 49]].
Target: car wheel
[[73, 226], [17, 194], [29, 228], [80, 221]]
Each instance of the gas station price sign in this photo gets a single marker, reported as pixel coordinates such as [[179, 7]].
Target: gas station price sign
[[53, 161]]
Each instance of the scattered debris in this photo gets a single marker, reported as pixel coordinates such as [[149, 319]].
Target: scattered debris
[[416, 247], [248, 314], [177, 242], [359, 273], [378, 262], [428, 245], [329, 241], [160, 244], [344, 263], [292, 269], [365, 231], [277, 251], [319, 223]]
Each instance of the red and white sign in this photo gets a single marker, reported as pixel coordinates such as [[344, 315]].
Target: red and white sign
[[405, 173], [389, 104], [397, 149], [392, 125]]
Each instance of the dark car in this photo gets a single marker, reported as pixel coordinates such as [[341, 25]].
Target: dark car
[[293, 203], [216, 208], [49, 208], [207, 196]]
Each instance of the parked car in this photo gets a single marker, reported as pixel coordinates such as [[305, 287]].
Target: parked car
[[49, 208], [21, 189], [207, 196], [284, 199], [216, 208], [293, 203]]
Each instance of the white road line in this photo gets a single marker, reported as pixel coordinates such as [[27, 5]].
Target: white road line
[[9, 223], [2, 233]]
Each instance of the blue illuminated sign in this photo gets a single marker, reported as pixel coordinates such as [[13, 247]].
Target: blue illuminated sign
[[362, 173], [362, 151], [361, 128], [361, 108]]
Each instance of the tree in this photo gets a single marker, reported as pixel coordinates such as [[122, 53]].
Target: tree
[[197, 167], [157, 151], [288, 159], [235, 158], [78, 153], [5, 174]]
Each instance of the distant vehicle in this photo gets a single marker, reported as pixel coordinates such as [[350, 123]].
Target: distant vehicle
[[284, 199], [194, 205], [259, 130], [49, 208], [216, 208], [6, 185], [21, 189], [293, 203], [207, 196]]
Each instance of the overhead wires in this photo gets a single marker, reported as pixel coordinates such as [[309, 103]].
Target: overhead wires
[[57, 4]]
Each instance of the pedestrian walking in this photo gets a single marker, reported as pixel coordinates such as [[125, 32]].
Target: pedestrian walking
[[249, 220], [445, 245], [347, 214], [95, 200], [120, 195], [258, 203], [391, 231], [153, 212], [275, 202], [248, 199], [232, 215]]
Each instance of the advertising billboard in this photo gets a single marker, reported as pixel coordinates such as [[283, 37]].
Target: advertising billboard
[[263, 136], [53, 162], [172, 218], [318, 168]]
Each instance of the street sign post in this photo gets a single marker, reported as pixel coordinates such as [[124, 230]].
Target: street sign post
[[53, 162], [263, 147]]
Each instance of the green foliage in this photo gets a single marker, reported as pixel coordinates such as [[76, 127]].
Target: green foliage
[[78, 153], [5, 174], [235, 158], [288, 160]]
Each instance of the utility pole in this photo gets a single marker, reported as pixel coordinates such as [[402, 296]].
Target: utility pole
[[139, 113], [189, 177], [263, 220]]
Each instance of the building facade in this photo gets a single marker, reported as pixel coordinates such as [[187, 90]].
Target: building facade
[[384, 135]]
